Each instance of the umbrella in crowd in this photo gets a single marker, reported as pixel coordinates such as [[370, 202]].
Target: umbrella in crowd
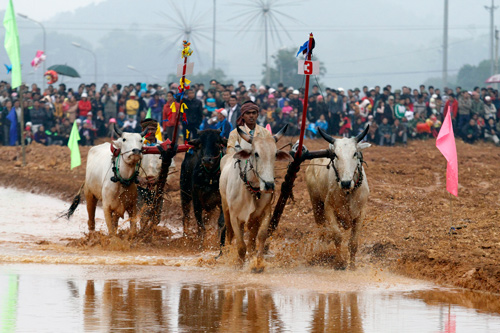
[[64, 70], [493, 79]]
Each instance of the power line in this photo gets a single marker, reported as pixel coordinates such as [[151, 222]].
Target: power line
[[349, 75]]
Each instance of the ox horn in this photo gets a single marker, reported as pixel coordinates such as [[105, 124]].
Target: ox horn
[[143, 133], [327, 137], [360, 137], [244, 135], [117, 130], [281, 132]]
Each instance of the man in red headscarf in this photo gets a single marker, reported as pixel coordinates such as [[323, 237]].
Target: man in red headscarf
[[248, 123]]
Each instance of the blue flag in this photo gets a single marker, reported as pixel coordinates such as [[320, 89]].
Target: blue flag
[[12, 116], [303, 48]]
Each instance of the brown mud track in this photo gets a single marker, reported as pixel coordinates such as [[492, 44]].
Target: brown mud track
[[406, 228]]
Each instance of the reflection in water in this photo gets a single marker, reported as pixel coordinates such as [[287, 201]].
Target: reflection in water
[[8, 310], [337, 313], [128, 305], [132, 299]]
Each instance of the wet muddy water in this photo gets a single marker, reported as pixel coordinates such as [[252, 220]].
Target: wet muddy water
[[110, 292]]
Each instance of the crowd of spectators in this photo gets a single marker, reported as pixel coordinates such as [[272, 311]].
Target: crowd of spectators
[[394, 115]]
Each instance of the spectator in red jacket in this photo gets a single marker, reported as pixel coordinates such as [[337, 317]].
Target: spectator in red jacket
[[84, 107], [452, 101], [169, 116]]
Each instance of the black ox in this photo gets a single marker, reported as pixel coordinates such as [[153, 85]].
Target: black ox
[[200, 173]]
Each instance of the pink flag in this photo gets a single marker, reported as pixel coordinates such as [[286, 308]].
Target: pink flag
[[268, 127], [445, 142]]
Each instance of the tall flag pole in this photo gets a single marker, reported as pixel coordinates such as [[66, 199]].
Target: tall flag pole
[[306, 68], [445, 142], [12, 44], [169, 153], [13, 49]]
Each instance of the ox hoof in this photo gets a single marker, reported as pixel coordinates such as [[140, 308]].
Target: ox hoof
[[257, 270], [219, 255], [257, 265]]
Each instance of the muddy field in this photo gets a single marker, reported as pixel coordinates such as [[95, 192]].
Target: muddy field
[[406, 229]]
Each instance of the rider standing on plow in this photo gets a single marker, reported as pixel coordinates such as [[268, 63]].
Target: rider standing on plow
[[248, 123], [150, 138], [150, 164]]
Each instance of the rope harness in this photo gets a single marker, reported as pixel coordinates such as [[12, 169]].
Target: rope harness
[[255, 191], [213, 175], [359, 169], [116, 172]]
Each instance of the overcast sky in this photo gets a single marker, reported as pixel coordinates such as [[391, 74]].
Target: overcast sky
[[46, 9], [360, 42]]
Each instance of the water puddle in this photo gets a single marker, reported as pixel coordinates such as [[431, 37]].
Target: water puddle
[[103, 291], [27, 218], [48, 298]]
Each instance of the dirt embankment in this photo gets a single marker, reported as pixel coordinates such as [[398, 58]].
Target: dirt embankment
[[408, 216]]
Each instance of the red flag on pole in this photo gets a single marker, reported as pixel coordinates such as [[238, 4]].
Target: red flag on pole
[[445, 142]]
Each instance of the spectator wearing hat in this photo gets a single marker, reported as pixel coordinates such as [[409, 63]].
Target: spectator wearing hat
[[261, 96], [222, 124], [84, 107], [28, 134], [295, 101], [156, 104], [490, 110], [132, 105]]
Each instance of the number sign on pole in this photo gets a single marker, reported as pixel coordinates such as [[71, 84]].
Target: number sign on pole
[[189, 69], [308, 67]]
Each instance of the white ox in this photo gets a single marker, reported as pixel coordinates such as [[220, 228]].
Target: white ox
[[247, 189], [339, 190], [114, 184]]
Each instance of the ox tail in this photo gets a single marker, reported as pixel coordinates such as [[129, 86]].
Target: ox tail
[[74, 204]]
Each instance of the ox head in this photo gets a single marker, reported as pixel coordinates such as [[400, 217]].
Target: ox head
[[210, 146], [347, 158], [129, 144], [261, 156]]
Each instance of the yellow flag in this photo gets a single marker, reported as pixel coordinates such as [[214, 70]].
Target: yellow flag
[[158, 133], [183, 107], [172, 107]]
